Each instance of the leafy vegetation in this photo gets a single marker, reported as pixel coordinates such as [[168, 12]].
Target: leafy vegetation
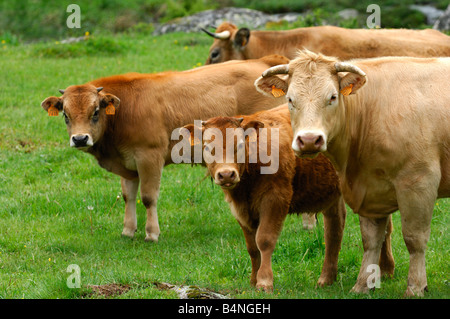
[[28, 20]]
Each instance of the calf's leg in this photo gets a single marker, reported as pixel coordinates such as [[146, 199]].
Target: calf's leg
[[253, 251], [309, 221], [269, 229], [129, 192], [334, 221]]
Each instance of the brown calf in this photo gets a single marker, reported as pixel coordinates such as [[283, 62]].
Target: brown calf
[[260, 202]]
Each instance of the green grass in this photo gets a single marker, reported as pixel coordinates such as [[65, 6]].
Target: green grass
[[58, 207]]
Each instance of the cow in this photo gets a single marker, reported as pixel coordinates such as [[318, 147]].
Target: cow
[[260, 201], [126, 121], [382, 123], [232, 43]]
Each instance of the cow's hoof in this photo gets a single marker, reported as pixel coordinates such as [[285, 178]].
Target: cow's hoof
[[128, 232], [360, 289], [415, 292], [152, 237], [267, 288], [323, 282]]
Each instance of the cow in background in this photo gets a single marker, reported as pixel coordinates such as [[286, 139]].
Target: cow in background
[[232, 43]]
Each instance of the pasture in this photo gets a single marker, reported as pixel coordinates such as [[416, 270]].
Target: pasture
[[58, 207]]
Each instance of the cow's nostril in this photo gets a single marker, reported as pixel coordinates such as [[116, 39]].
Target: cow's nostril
[[319, 141], [80, 140], [220, 176], [299, 141], [232, 175]]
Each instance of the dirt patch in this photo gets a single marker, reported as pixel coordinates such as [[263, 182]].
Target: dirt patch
[[110, 289]]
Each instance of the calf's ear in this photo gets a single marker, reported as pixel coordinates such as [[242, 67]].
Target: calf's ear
[[191, 128], [273, 86], [54, 101], [107, 99], [254, 124]]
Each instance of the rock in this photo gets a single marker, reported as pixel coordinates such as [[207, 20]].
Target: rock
[[190, 292], [430, 12], [443, 23], [252, 19], [348, 14]]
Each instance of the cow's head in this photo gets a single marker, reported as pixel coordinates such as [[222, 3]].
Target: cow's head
[[225, 147], [314, 86], [83, 108], [229, 43]]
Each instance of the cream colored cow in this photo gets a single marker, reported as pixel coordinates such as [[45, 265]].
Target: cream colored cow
[[384, 124]]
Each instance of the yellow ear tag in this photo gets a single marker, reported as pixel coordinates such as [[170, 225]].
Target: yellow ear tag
[[277, 92], [110, 109], [52, 111], [194, 141], [347, 90]]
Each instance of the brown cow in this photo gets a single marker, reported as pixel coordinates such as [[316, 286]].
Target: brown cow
[[135, 143], [260, 201], [383, 122], [232, 43]]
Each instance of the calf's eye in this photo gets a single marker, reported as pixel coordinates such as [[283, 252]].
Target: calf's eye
[[66, 118], [333, 98]]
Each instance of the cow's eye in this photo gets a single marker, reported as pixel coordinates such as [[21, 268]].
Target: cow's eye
[[215, 54], [95, 116], [66, 118], [333, 99]]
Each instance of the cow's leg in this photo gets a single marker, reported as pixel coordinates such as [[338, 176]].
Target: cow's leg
[[269, 229], [387, 263], [334, 222], [150, 166], [373, 233], [129, 192], [416, 212], [416, 194], [309, 221], [253, 251]]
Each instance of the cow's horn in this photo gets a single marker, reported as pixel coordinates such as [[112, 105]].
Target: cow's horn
[[61, 91], [99, 89], [347, 67], [278, 69], [222, 35], [203, 123]]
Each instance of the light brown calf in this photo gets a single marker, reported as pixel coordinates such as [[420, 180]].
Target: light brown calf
[[135, 142]]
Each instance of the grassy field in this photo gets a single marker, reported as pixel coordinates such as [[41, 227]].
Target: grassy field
[[58, 207]]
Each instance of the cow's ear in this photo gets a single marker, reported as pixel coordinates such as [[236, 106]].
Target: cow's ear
[[54, 101], [241, 38], [254, 124], [274, 85], [107, 99], [351, 82]]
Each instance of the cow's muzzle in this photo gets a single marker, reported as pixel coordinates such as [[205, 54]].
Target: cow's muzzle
[[309, 144], [227, 178], [81, 140]]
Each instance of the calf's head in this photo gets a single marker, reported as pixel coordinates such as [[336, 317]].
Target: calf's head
[[83, 108], [314, 86], [225, 147], [229, 43]]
